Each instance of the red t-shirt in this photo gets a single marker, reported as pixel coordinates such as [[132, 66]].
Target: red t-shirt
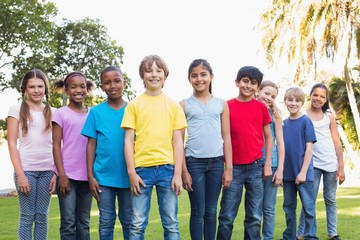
[[247, 120]]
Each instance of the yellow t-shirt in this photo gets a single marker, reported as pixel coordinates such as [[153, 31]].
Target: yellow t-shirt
[[154, 119]]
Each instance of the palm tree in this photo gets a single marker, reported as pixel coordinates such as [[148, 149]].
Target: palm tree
[[307, 31]]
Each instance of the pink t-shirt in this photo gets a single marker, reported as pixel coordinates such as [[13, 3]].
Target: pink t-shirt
[[74, 144], [247, 121], [35, 149]]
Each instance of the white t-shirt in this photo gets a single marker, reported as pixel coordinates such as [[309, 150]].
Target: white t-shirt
[[35, 149], [324, 154]]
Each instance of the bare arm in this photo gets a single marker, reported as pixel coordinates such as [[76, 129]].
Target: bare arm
[[57, 135], [185, 175], [12, 135], [225, 132], [268, 151], [278, 175], [178, 146], [135, 180], [90, 159], [301, 177], [340, 174]]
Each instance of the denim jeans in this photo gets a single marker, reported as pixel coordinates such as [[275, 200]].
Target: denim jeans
[[206, 174], [75, 209], [306, 192], [161, 177], [269, 205], [107, 209], [329, 193], [34, 208], [250, 176]]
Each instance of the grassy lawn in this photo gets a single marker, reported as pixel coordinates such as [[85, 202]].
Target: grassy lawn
[[348, 218]]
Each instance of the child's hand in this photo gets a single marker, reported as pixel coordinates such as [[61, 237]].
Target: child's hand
[[135, 182], [227, 178], [52, 187], [94, 188], [187, 181], [23, 184], [267, 171], [64, 185], [340, 175], [300, 178], [176, 184], [278, 178]]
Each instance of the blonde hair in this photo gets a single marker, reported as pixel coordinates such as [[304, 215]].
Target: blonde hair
[[273, 108], [295, 92], [148, 61]]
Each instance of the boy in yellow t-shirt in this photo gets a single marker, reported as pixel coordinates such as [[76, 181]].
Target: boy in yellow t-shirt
[[154, 156]]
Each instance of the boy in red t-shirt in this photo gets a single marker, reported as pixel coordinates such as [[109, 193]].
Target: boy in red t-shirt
[[250, 130]]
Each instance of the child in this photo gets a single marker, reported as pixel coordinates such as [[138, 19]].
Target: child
[[203, 172], [249, 125], [154, 156], [106, 167], [69, 148], [327, 156], [267, 94], [299, 137], [33, 162]]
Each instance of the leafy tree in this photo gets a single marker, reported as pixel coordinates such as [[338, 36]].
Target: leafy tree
[[29, 38], [339, 100], [25, 30], [308, 30]]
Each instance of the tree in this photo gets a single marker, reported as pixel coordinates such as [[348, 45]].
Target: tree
[[309, 30], [85, 46], [25, 27]]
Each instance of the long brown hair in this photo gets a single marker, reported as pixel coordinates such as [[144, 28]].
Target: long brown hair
[[25, 116]]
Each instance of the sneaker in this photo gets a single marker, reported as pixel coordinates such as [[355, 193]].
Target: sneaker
[[336, 237]]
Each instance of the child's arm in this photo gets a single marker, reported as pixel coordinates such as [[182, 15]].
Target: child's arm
[[12, 135], [57, 135], [225, 132], [278, 175], [178, 146], [186, 177], [268, 151], [90, 159], [340, 174], [301, 177], [135, 180]]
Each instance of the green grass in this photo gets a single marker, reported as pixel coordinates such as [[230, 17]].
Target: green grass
[[348, 200]]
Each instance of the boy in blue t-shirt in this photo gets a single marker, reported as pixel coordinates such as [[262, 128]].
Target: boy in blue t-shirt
[[299, 137], [106, 167]]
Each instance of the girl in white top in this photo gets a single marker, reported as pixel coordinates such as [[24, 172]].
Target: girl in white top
[[30, 123], [327, 156]]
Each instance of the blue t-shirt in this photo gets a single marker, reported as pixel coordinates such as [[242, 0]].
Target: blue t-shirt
[[103, 124], [297, 132]]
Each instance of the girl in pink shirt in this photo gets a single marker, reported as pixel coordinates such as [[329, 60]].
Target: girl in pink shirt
[[69, 149]]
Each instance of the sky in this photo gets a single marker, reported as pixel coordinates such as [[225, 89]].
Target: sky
[[223, 32]]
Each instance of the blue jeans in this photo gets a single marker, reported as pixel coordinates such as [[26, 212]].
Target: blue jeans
[[250, 176], [34, 208], [329, 192], [161, 177], [75, 209], [269, 205], [206, 174], [306, 192], [107, 209]]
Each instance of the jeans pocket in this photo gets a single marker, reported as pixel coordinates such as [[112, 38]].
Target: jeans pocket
[[169, 167]]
